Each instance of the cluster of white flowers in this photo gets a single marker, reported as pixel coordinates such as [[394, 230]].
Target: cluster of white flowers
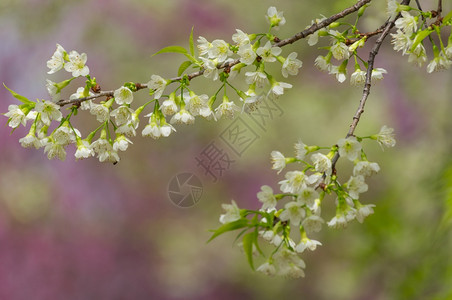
[[119, 121], [290, 227], [250, 50], [218, 60], [43, 112], [409, 40], [73, 62], [411, 31], [124, 119], [340, 51]]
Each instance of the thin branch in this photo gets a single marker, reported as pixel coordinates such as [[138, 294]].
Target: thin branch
[[96, 95], [422, 16], [367, 35], [366, 91], [296, 37], [370, 34], [419, 5], [440, 8], [200, 72], [79, 100], [323, 24]]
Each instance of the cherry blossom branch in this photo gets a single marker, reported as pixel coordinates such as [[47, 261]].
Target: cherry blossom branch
[[348, 42], [303, 34], [366, 91]]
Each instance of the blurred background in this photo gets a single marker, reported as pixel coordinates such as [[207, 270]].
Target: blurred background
[[87, 230]]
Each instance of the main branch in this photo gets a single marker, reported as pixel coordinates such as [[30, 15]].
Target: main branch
[[303, 34]]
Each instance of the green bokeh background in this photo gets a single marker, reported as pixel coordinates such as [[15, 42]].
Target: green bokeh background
[[86, 230]]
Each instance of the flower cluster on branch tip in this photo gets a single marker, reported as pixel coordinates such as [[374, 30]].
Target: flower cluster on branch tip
[[288, 230], [413, 28]]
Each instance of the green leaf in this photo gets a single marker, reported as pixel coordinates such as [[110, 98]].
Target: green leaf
[[191, 58], [447, 17], [17, 96], [256, 234], [183, 67], [172, 49], [420, 37], [248, 241], [240, 234], [192, 45], [229, 227]]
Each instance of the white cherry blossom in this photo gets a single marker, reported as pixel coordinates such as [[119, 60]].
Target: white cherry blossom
[[76, 64]]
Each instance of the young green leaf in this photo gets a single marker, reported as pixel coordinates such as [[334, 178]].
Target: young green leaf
[[255, 241], [17, 96], [192, 59], [183, 67], [420, 37], [447, 17], [240, 234], [172, 49], [248, 241], [229, 227], [192, 44]]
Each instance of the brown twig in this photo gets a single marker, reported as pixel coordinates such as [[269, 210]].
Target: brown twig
[[78, 100], [323, 24], [296, 37], [369, 34], [440, 8]]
